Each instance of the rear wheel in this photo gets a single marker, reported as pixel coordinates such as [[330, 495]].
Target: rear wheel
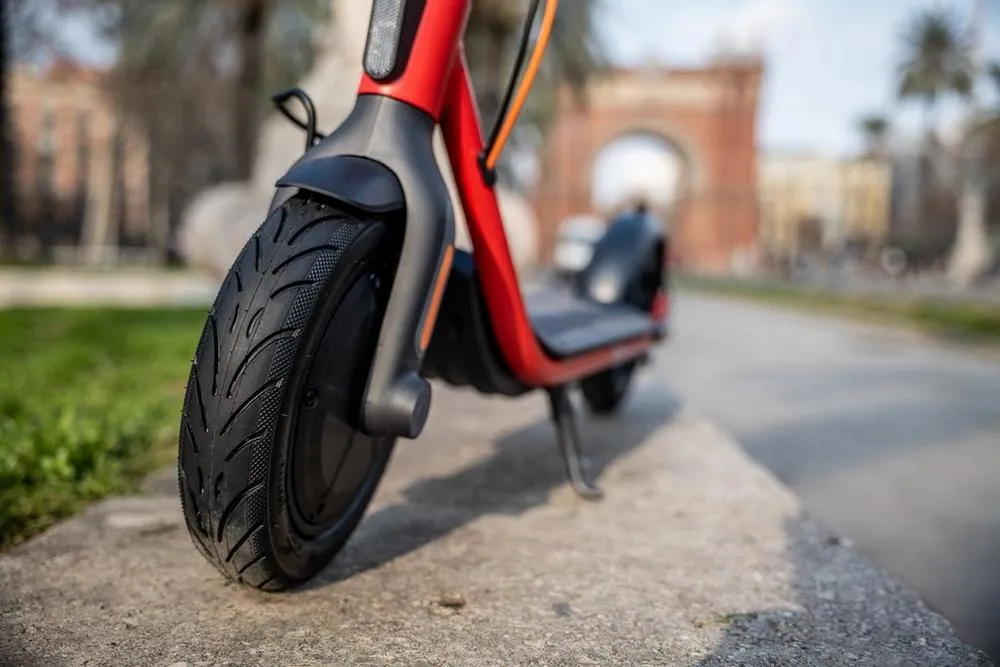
[[274, 472], [605, 391]]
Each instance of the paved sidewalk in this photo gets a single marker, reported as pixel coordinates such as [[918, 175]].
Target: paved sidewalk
[[60, 287], [475, 552]]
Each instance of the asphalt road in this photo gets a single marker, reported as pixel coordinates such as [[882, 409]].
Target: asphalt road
[[891, 438]]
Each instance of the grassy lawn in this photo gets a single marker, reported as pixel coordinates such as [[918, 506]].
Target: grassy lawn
[[978, 322], [89, 404]]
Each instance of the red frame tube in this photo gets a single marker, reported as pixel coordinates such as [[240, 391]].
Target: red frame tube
[[439, 84]]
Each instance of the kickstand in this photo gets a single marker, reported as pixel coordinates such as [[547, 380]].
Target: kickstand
[[569, 442]]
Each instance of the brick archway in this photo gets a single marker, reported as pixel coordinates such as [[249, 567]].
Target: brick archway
[[708, 115]]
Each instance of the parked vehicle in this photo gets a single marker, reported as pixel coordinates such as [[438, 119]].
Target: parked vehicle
[[317, 352], [575, 243]]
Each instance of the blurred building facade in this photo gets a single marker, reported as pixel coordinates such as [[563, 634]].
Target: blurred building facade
[[708, 115], [813, 204], [81, 172]]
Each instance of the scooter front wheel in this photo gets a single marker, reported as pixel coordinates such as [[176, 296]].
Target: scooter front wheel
[[273, 470]]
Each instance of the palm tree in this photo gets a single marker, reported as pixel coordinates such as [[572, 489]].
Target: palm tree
[[972, 253], [493, 33], [937, 61], [875, 129]]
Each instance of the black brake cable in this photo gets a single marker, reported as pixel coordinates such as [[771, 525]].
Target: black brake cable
[[522, 52]]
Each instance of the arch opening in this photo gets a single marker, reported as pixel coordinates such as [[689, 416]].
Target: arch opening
[[639, 167]]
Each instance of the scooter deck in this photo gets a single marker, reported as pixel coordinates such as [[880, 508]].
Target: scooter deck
[[568, 324]]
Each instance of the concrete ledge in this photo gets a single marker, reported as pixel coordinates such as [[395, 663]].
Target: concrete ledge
[[475, 552], [61, 287]]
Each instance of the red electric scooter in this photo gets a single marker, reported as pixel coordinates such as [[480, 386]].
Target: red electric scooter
[[317, 350]]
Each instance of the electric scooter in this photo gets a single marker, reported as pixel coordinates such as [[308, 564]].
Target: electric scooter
[[317, 351]]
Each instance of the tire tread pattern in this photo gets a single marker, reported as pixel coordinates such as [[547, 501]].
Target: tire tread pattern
[[238, 380]]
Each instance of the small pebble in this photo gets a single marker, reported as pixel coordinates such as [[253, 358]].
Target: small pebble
[[452, 601], [838, 541]]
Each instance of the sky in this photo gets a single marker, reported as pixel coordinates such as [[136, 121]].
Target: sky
[[632, 166], [827, 62]]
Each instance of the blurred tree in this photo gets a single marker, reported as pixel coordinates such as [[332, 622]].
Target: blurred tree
[[251, 35], [245, 47], [7, 212], [27, 35], [30, 36], [190, 75], [979, 203], [937, 61], [875, 129], [29, 31], [493, 26], [973, 252], [810, 235], [195, 74], [573, 56]]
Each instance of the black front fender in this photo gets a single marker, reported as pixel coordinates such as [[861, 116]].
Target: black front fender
[[360, 183]]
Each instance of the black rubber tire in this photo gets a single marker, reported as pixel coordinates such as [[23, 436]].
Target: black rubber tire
[[250, 422], [605, 392]]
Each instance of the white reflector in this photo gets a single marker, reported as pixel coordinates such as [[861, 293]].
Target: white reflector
[[383, 38]]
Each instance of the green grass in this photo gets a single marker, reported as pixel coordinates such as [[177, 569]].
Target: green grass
[[971, 321], [89, 405]]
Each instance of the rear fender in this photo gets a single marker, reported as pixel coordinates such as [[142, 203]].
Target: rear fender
[[618, 257]]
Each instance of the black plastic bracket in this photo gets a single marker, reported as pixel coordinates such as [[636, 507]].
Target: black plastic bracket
[[308, 124], [489, 175], [564, 418]]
